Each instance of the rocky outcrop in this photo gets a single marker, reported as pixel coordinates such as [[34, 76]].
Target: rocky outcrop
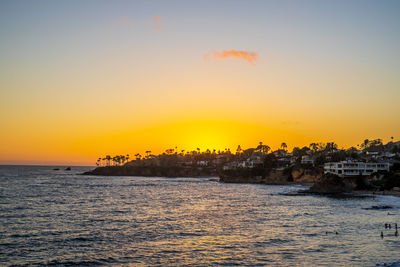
[[302, 175], [153, 171], [241, 179], [274, 176], [381, 207], [242, 175], [332, 184]]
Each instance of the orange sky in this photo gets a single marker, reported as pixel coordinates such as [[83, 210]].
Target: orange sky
[[122, 78]]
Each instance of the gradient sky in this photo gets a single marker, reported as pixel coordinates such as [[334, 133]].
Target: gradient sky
[[82, 79]]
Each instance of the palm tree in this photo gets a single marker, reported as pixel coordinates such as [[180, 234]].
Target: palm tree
[[266, 149], [284, 146], [314, 147], [364, 145], [122, 159], [114, 160], [260, 147], [330, 146], [148, 154], [108, 158], [169, 151], [238, 150], [263, 149]]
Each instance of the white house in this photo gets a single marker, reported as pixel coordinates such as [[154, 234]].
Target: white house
[[202, 163], [307, 160], [248, 163], [253, 161], [353, 168], [231, 165]]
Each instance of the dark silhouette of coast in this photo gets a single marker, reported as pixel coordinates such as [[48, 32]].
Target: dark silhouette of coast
[[260, 165], [153, 171]]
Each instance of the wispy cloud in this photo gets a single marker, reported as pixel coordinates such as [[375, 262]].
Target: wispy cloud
[[250, 57], [157, 22]]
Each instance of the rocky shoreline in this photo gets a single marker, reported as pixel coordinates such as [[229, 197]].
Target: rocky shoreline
[[274, 176], [327, 184], [152, 171]]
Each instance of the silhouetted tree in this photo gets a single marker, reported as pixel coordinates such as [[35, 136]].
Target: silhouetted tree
[[284, 146]]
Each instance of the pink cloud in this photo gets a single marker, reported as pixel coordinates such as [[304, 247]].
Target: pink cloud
[[157, 22], [250, 57]]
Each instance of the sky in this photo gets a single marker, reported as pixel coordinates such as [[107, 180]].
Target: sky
[[83, 79]]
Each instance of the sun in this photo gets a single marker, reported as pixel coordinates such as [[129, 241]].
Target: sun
[[204, 135]]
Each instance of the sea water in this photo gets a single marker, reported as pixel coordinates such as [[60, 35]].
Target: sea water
[[58, 217]]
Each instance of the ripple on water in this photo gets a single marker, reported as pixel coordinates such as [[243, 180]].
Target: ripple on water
[[49, 218]]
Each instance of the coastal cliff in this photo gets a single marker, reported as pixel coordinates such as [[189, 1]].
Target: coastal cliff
[[152, 171], [274, 176], [333, 184], [302, 175]]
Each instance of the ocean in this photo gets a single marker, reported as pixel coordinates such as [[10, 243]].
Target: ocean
[[58, 217]]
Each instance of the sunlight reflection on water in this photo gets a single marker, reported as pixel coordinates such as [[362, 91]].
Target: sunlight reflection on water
[[50, 217]]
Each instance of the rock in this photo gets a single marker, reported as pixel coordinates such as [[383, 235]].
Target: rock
[[383, 207], [56, 169], [297, 173], [276, 176], [331, 184], [152, 171], [68, 169], [240, 179], [302, 175], [295, 193]]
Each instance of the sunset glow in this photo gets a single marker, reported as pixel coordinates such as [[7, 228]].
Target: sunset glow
[[80, 80]]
